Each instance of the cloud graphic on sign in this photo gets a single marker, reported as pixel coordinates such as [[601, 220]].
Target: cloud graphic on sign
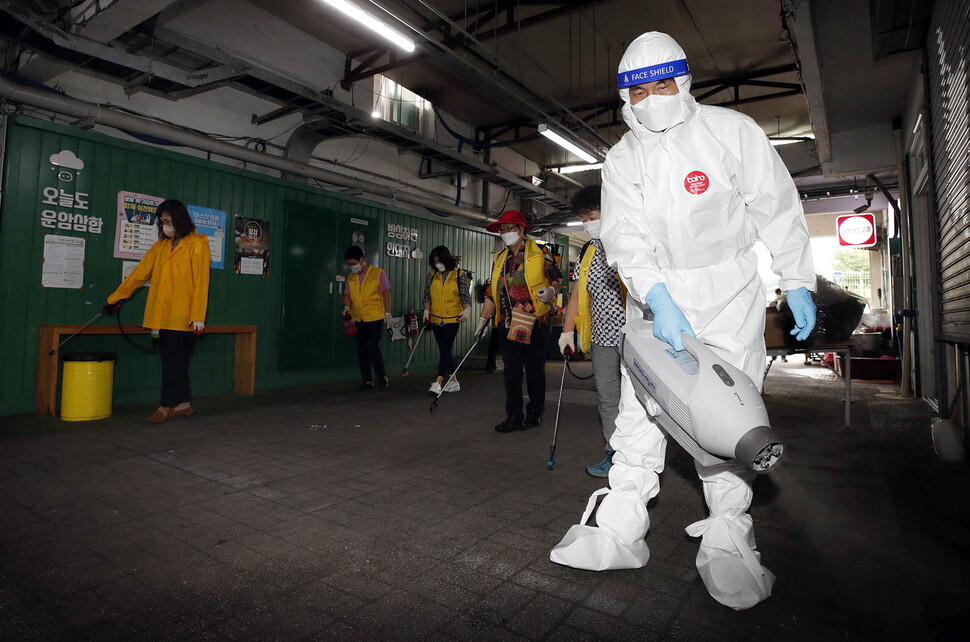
[[417, 253], [66, 158]]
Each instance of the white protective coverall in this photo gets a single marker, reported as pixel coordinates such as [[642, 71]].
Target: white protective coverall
[[682, 207]]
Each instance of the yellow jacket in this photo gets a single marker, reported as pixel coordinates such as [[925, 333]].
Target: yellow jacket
[[584, 321], [366, 299], [535, 277], [179, 292], [445, 299]]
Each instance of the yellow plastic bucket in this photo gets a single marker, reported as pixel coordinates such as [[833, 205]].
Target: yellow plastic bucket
[[87, 385]]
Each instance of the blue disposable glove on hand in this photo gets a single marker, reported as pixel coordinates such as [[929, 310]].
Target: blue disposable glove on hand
[[802, 306], [668, 321]]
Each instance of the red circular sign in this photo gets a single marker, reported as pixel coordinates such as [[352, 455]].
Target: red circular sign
[[696, 183]]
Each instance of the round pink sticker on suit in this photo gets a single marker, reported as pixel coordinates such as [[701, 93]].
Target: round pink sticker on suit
[[696, 183]]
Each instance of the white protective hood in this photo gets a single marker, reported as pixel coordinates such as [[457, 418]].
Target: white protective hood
[[653, 48]]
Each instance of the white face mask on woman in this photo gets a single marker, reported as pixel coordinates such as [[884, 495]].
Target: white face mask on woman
[[658, 112], [168, 230], [440, 267], [356, 268], [511, 238], [592, 228]]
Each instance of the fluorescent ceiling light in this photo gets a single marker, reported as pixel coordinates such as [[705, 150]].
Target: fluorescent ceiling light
[[372, 23], [788, 140], [574, 223], [572, 169], [568, 145]]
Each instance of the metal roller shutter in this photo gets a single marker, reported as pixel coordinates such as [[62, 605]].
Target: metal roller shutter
[[948, 55]]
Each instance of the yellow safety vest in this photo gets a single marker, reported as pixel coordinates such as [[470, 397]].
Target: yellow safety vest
[[366, 300], [445, 300], [584, 320], [535, 277]]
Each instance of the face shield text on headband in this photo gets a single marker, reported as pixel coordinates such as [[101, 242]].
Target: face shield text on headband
[[652, 73]]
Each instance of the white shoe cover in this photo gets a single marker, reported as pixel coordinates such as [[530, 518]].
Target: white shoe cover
[[728, 564], [727, 560], [593, 548]]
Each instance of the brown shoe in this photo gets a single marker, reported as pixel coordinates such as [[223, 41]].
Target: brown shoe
[[184, 412], [158, 416]]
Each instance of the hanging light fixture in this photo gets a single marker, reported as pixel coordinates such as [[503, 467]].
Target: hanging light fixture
[[572, 169], [565, 143], [372, 23]]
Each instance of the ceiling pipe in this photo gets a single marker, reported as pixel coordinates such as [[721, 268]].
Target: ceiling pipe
[[82, 110]]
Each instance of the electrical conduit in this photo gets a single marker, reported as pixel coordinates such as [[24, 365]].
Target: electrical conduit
[[67, 106]]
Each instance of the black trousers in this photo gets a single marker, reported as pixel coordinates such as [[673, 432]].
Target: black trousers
[[369, 349], [176, 348], [532, 358], [445, 335], [494, 342]]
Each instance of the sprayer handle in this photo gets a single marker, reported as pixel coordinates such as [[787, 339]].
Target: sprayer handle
[[697, 348]]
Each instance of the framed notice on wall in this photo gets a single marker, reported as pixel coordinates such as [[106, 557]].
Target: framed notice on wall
[[135, 232], [252, 245], [212, 223]]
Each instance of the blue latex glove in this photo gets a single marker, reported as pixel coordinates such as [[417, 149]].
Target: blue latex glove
[[668, 321], [802, 306]]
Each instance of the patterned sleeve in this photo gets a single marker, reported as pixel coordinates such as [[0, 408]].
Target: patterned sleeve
[[488, 289], [463, 293], [427, 288], [552, 270]]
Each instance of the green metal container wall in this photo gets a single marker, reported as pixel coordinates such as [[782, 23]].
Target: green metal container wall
[[112, 165]]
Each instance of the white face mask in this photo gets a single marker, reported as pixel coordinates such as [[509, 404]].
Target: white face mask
[[511, 238], [440, 267], [168, 230], [356, 268], [592, 228], [658, 113]]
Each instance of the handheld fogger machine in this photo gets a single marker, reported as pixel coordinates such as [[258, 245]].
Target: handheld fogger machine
[[704, 403]]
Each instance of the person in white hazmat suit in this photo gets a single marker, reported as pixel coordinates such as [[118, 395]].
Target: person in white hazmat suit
[[685, 192]]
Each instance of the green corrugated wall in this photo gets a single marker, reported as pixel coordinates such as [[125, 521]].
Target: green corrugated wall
[[112, 165]]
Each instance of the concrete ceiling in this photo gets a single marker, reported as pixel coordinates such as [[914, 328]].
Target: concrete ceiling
[[564, 55], [504, 65]]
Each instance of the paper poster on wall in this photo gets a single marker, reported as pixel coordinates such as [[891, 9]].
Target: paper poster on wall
[[252, 245], [212, 223], [127, 267], [135, 232], [63, 262]]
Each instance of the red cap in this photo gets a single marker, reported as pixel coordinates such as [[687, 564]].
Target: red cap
[[511, 217]]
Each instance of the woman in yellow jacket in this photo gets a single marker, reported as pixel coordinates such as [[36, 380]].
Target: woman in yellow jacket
[[178, 266], [367, 300], [447, 304], [525, 279]]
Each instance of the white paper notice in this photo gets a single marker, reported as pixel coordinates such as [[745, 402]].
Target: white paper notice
[[250, 265], [63, 262], [127, 267]]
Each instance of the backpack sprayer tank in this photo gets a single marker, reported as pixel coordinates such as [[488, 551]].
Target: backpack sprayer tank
[[704, 403]]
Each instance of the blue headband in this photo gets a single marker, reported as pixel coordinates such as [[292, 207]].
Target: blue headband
[[650, 74]]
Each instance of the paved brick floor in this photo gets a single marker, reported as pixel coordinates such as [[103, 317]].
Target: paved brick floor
[[362, 516]]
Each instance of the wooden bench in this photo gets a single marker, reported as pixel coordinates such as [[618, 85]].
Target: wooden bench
[[50, 335]]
